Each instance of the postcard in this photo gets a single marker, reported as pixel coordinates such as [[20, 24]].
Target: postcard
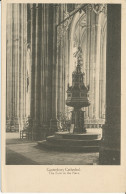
[[63, 96]]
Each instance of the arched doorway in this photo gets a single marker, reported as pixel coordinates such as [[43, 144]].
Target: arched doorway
[[87, 28]]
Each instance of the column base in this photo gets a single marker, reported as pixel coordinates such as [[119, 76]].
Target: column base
[[44, 130], [109, 156], [54, 123], [36, 130], [110, 145]]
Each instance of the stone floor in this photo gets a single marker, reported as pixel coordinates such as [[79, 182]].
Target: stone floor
[[24, 152]]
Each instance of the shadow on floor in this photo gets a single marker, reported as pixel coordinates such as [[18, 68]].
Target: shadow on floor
[[13, 158]]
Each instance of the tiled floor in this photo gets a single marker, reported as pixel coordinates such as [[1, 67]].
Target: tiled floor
[[22, 152]]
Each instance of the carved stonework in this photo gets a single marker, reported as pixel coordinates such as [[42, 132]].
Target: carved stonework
[[63, 28], [98, 8], [12, 124]]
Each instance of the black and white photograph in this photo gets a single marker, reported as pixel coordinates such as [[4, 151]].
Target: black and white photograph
[[63, 84]]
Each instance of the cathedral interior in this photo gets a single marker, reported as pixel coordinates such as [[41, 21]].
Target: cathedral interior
[[63, 77]]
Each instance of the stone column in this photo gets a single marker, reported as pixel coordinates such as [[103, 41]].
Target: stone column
[[54, 121], [50, 51], [87, 54], [91, 58], [33, 46], [37, 72], [103, 74], [16, 65], [21, 63], [42, 67], [93, 54], [13, 70], [9, 67], [24, 42], [97, 67], [110, 147]]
